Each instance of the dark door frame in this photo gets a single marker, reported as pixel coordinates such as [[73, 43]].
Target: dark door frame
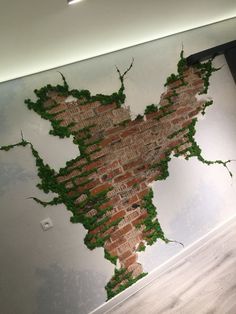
[[228, 49]]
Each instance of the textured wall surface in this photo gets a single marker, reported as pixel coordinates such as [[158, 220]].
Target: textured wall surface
[[58, 273], [107, 186]]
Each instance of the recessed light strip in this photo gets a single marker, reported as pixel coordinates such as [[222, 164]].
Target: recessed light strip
[[73, 1]]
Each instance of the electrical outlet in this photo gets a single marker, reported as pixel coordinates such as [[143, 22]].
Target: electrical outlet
[[46, 224]]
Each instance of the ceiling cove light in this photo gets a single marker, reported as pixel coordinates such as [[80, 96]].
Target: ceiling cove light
[[73, 1]]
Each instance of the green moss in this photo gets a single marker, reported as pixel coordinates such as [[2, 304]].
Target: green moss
[[206, 104], [206, 69], [181, 66], [141, 247], [114, 286], [124, 123], [150, 109], [172, 135], [195, 151], [152, 229], [22, 143], [111, 258], [139, 117]]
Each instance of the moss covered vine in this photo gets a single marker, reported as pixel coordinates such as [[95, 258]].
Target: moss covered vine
[[49, 183], [181, 66], [87, 210], [83, 95], [121, 280], [206, 69], [109, 257], [153, 230]]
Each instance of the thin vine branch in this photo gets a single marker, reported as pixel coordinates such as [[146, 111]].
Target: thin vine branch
[[54, 201], [121, 76]]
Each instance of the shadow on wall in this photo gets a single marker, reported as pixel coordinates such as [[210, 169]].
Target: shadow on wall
[[69, 291]]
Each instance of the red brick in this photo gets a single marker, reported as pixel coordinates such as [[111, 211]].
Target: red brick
[[133, 200], [129, 132], [115, 244], [187, 123], [108, 232], [132, 182], [175, 143], [194, 112], [92, 148], [141, 168], [198, 82], [58, 108], [132, 164], [130, 260], [115, 129], [112, 174], [175, 84], [118, 215], [140, 218], [152, 115], [133, 215], [110, 140], [88, 186], [116, 235], [72, 174], [132, 145], [113, 201], [121, 232], [183, 110], [114, 164], [125, 255], [153, 178], [104, 108], [78, 163], [178, 120], [125, 229], [143, 193], [96, 230], [123, 177], [93, 165], [99, 154], [100, 188]]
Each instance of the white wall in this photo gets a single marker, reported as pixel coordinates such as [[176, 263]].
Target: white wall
[[53, 272], [40, 35]]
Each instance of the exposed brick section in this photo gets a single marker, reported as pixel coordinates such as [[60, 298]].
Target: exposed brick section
[[100, 188], [124, 157]]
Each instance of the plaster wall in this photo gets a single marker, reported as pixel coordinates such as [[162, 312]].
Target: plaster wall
[[53, 272], [41, 35]]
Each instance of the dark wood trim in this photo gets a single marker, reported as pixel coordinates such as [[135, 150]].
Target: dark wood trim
[[228, 49], [230, 56], [210, 53]]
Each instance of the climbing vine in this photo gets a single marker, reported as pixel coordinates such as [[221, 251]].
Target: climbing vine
[[120, 281], [73, 183], [152, 230], [181, 66], [206, 69]]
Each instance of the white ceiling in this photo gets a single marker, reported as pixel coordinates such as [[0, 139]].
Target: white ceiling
[[41, 34]]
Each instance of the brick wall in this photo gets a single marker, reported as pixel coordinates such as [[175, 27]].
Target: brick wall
[[127, 156]]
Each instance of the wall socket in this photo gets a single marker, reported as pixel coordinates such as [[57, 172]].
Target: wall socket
[[46, 224]]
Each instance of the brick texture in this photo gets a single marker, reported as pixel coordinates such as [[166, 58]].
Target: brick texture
[[124, 157]]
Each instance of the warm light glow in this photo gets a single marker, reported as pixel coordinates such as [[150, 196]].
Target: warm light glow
[[73, 1]]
